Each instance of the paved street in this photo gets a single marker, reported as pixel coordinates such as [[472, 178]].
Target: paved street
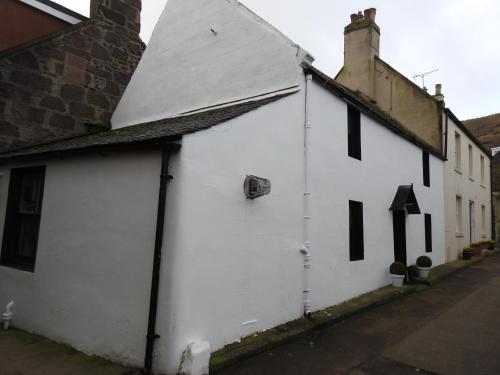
[[452, 328]]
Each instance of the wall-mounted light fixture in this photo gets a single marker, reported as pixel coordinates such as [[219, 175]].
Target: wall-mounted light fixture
[[256, 187]]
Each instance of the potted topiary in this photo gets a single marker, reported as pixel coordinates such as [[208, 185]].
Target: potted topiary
[[424, 264], [467, 253], [398, 273]]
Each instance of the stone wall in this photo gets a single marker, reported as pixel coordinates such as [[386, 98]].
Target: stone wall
[[69, 83]]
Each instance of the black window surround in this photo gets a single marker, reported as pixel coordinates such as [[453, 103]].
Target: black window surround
[[356, 236], [22, 219], [428, 233], [426, 170], [353, 132]]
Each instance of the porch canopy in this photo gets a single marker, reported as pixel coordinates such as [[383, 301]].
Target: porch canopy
[[405, 199]]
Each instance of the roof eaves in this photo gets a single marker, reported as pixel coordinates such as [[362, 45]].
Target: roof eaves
[[468, 132], [148, 133], [57, 7], [374, 112]]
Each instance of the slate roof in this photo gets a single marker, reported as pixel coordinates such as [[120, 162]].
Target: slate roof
[[148, 133]]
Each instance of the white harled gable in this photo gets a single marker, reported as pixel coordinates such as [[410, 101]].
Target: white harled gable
[[205, 53]]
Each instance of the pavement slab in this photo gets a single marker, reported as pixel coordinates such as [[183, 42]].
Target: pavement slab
[[451, 328], [22, 353]]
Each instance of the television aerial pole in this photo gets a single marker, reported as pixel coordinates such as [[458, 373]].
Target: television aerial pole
[[423, 75]]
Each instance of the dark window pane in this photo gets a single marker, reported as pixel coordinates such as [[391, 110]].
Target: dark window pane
[[428, 233], [22, 218], [356, 241], [353, 132], [425, 165]]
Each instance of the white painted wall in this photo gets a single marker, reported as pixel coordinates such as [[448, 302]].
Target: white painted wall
[[387, 162], [230, 261], [470, 188], [92, 276], [187, 67]]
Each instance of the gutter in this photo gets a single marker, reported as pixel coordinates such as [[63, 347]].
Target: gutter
[[152, 336], [445, 136]]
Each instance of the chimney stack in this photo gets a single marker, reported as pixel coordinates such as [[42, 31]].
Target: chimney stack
[[126, 13], [439, 95], [361, 47]]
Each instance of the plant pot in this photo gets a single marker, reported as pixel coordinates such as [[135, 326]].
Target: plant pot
[[423, 272], [397, 280], [476, 250], [466, 255]]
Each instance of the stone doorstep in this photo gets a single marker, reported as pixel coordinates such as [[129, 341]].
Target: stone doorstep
[[262, 341]]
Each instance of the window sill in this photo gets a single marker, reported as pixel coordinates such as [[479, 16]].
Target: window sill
[[458, 171], [484, 235], [458, 234], [19, 266]]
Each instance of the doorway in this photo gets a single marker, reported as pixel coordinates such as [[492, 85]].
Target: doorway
[[472, 222], [399, 229]]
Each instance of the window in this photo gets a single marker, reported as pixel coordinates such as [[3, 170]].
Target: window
[[482, 169], [356, 242], [428, 233], [22, 219], [425, 163], [353, 132], [459, 214], [483, 219], [458, 152], [471, 162]]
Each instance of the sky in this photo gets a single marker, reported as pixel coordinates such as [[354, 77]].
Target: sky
[[458, 37]]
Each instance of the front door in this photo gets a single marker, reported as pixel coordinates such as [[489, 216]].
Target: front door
[[471, 221], [399, 227]]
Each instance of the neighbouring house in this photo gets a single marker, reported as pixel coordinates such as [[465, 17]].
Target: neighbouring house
[[287, 193], [467, 168], [69, 82], [487, 130], [25, 20]]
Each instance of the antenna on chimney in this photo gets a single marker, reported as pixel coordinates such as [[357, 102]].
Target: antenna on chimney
[[423, 75]]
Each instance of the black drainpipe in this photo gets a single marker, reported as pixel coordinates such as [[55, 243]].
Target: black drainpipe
[[155, 282]]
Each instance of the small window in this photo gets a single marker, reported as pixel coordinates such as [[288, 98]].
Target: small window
[[482, 169], [459, 220], [425, 163], [356, 242], [354, 132], [22, 221], [471, 162], [458, 152], [428, 233]]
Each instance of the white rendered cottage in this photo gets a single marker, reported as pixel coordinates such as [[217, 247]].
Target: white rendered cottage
[[97, 253]]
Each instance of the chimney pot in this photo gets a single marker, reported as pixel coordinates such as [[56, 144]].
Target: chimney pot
[[438, 89], [360, 16], [354, 17], [370, 14]]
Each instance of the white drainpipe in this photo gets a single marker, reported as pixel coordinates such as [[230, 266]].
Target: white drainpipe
[[306, 249], [8, 315]]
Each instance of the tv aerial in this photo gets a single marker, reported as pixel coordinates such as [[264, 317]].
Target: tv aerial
[[423, 75]]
